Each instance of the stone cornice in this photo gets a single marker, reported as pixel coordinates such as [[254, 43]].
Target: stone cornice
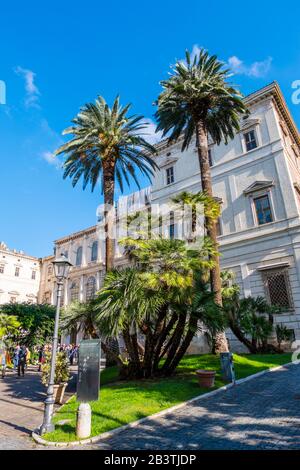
[[76, 235], [273, 91]]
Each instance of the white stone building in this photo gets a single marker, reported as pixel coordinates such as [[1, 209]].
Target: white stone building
[[257, 178], [19, 276]]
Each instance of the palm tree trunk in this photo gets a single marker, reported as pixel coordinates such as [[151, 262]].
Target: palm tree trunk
[[211, 226], [109, 216]]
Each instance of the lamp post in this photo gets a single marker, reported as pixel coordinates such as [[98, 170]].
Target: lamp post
[[61, 269]]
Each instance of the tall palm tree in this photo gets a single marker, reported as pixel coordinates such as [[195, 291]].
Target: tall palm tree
[[107, 147], [198, 101]]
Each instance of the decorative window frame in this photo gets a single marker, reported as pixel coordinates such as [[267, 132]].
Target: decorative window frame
[[260, 189], [165, 168], [248, 126]]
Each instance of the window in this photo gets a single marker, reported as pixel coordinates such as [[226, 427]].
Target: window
[[50, 270], [170, 175], [74, 290], [250, 140], [33, 275], [277, 286], [172, 226], [263, 209], [1, 268], [210, 157], [79, 256], [17, 271], [13, 300], [90, 288], [94, 254]]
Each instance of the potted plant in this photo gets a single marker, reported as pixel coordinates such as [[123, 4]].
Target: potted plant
[[62, 375], [206, 378]]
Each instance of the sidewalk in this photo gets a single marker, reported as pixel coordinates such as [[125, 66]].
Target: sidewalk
[[21, 408]]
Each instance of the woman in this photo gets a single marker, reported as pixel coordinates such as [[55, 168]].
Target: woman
[[3, 362]]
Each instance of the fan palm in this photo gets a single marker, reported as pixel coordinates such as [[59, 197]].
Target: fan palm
[[198, 101], [107, 147]]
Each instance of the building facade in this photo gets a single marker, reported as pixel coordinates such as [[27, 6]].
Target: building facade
[[19, 276], [256, 177]]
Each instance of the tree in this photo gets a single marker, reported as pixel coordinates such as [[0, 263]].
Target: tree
[[162, 299], [197, 100], [250, 319], [283, 334], [106, 147], [36, 322], [80, 316], [9, 326]]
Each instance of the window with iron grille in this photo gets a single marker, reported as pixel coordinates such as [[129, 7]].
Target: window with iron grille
[[74, 290], [263, 209], [17, 272], [1, 268], [90, 288], [277, 286], [250, 140], [170, 175]]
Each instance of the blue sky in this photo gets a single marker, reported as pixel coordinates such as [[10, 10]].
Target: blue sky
[[56, 56]]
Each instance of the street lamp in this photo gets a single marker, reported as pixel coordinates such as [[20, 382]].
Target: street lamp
[[61, 270]]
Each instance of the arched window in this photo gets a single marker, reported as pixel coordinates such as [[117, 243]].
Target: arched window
[[50, 270], [74, 291], [94, 254], [90, 288], [79, 256]]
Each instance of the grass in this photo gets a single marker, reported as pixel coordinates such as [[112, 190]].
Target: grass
[[122, 402]]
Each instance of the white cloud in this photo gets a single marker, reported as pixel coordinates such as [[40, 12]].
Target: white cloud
[[149, 133], [50, 158], [256, 69], [32, 91]]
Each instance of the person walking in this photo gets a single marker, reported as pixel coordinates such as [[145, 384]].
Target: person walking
[[41, 358], [16, 356], [3, 362], [22, 361], [28, 356]]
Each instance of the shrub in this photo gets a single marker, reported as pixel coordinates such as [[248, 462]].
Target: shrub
[[62, 369]]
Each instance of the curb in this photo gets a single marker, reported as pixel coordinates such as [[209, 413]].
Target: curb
[[92, 440]]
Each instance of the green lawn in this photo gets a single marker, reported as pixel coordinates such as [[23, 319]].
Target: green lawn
[[123, 402]]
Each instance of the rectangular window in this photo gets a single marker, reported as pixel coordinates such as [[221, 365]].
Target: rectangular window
[[33, 275], [277, 286], [1, 268], [17, 272], [170, 175], [263, 209], [172, 226], [250, 140]]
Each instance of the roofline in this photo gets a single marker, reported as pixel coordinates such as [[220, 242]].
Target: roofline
[[75, 235], [270, 90]]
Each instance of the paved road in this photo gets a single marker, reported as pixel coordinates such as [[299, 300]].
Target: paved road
[[21, 408], [260, 414]]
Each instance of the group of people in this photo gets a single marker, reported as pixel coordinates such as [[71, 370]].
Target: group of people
[[71, 351], [20, 356]]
